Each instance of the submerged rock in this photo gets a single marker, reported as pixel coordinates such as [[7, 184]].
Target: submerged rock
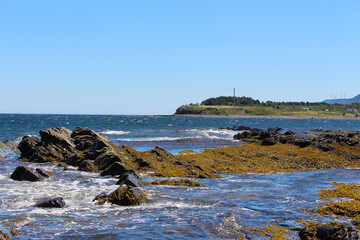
[[23, 173], [180, 182], [57, 202]]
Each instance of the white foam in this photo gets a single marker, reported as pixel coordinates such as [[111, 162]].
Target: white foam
[[114, 132], [155, 139]]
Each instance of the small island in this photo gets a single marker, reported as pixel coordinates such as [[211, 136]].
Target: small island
[[247, 106]]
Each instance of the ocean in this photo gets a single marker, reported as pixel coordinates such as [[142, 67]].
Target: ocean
[[217, 211]]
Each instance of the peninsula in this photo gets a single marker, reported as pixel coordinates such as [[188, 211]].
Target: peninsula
[[246, 106]]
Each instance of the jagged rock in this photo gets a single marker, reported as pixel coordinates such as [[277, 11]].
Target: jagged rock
[[127, 196], [59, 137], [330, 231], [107, 158], [87, 166], [23, 173], [57, 202], [130, 179], [116, 168]]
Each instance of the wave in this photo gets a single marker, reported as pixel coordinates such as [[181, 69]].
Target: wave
[[211, 133], [114, 132], [156, 139]]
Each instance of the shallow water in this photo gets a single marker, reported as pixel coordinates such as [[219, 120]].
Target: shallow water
[[217, 211]]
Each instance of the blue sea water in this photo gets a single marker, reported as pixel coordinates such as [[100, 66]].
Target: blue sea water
[[217, 211]]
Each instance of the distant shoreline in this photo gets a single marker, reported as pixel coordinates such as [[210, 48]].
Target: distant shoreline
[[266, 116]]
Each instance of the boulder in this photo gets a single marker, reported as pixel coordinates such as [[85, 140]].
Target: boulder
[[117, 168], [323, 146], [57, 202], [23, 173], [127, 196]]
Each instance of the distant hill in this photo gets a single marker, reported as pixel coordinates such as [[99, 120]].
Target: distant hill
[[344, 101]]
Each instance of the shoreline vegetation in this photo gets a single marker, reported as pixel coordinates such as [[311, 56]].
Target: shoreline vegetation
[[248, 107], [267, 151]]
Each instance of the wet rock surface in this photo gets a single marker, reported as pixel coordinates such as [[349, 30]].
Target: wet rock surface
[[125, 195], [23, 173], [57, 202]]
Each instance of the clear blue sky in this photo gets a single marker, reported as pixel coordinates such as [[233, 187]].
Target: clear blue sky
[[149, 57]]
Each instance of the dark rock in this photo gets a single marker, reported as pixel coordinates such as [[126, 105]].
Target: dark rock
[[27, 146], [302, 142], [57, 202], [129, 179], [23, 173], [323, 146], [264, 134], [242, 135], [87, 166], [116, 168], [43, 173], [143, 163], [127, 196], [268, 141], [330, 231], [107, 158], [75, 159], [60, 137]]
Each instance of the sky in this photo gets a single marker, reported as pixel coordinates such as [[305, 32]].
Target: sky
[[150, 57]]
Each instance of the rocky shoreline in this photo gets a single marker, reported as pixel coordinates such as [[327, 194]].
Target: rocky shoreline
[[266, 151]]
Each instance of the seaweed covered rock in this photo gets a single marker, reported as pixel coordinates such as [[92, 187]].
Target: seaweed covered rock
[[127, 196], [23, 173], [73, 147], [334, 231], [57, 202]]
